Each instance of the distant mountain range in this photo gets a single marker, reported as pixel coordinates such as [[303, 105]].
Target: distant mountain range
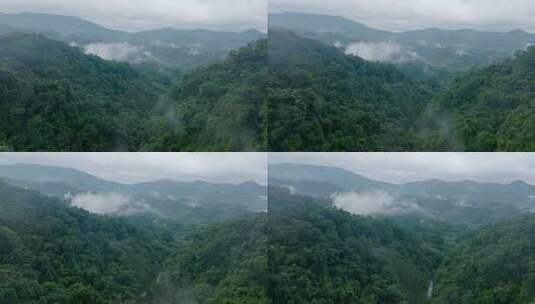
[[449, 49], [163, 198], [457, 202], [165, 47]]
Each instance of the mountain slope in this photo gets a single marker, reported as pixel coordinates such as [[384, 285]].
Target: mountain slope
[[320, 254], [162, 49], [53, 253], [221, 107], [459, 203], [454, 50], [323, 100], [56, 98], [223, 263], [188, 202], [492, 108], [494, 264]]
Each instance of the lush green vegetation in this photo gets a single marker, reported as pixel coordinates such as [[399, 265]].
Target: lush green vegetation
[[51, 253], [221, 107], [319, 254], [223, 263], [53, 97], [492, 108], [323, 100], [495, 264]]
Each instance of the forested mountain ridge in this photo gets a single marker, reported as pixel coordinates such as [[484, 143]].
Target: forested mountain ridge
[[195, 201], [320, 254], [223, 263], [493, 108], [455, 50], [323, 100], [494, 264], [459, 203], [164, 48], [54, 97], [221, 107], [53, 253]]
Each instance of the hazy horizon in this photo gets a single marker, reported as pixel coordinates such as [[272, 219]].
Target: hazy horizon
[[233, 15], [131, 168], [399, 168], [396, 16]]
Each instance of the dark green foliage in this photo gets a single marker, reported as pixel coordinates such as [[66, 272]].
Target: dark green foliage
[[50, 253], [224, 263], [495, 264], [221, 107], [493, 109], [323, 100], [55, 98], [319, 254]]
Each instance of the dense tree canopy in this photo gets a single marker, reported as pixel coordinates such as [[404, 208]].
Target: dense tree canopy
[[51, 253], [222, 263], [53, 97], [319, 254], [495, 264], [323, 100], [221, 107], [492, 108]]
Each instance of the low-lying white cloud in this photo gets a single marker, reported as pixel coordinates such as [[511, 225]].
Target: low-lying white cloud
[[122, 51], [101, 203], [384, 51], [364, 203]]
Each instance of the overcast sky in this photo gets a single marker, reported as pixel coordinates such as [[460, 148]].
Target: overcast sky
[[136, 15], [139, 167], [398, 15], [407, 167]]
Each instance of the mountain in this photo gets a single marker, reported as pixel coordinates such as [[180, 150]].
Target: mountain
[[56, 98], [222, 263], [221, 107], [53, 253], [164, 48], [56, 253], [323, 100], [494, 263], [454, 50], [55, 175], [463, 203], [191, 202], [319, 253], [491, 109]]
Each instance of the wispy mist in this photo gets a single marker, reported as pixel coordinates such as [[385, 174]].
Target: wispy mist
[[119, 51], [381, 52], [101, 203]]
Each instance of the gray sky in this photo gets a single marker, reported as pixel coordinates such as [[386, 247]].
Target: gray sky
[[398, 15], [139, 167], [136, 15], [407, 167]]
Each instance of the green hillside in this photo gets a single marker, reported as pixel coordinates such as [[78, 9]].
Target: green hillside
[[492, 108], [319, 254], [323, 100], [495, 264]]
